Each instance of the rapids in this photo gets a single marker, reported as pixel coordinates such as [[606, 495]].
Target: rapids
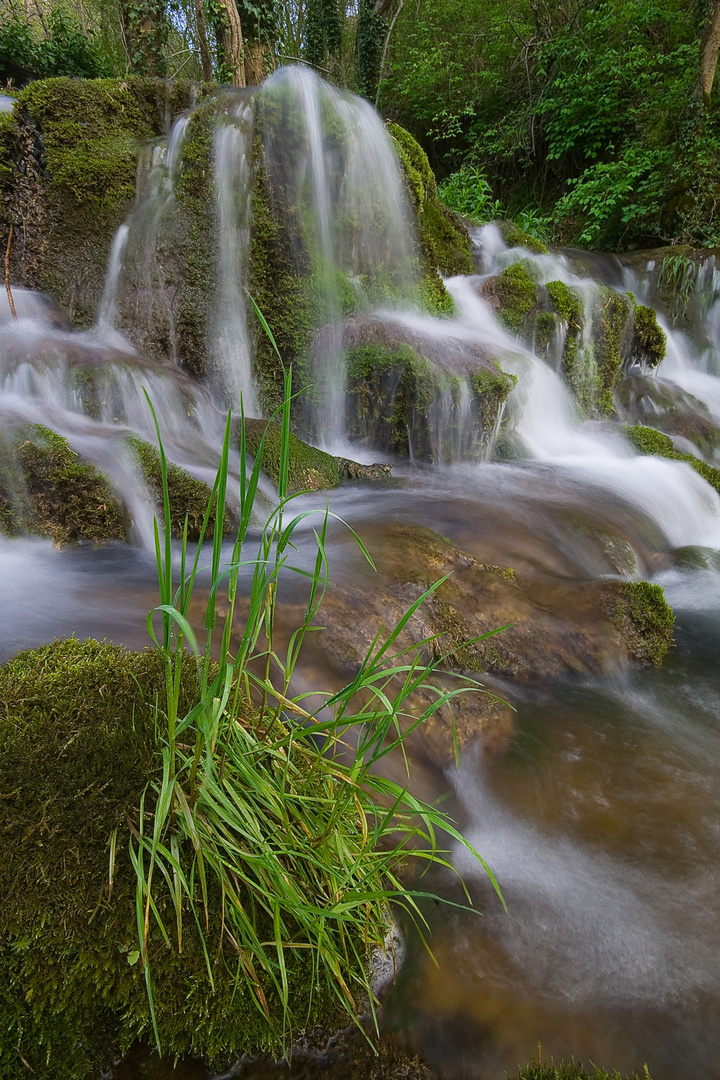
[[601, 818]]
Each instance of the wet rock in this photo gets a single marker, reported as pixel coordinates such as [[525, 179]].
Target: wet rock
[[410, 392], [309, 469], [650, 441], [487, 620], [652, 402]]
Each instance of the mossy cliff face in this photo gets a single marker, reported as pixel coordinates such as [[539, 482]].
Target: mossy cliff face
[[444, 240], [68, 156], [77, 747], [46, 488]]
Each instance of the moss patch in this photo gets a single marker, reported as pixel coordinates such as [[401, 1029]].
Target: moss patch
[[516, 237], [644, 618], [47, 489], [72, 147], [514, 294], [649, 344], [444, 240], [77, 747], [610, 318], [570, 308], [309, 469], [649, 441], [188, 496]]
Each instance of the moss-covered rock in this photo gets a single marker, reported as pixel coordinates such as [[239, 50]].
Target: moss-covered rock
[[444, 240], [643, 617], [513, 294], [570, 308], [650, 441], [610, 318], [648, 344], [77, 748], [46, 488], [309, 469], [644, 399], [516, 237], [68, 157], [188, 495]]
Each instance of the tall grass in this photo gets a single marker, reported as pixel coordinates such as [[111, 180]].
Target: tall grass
[[271, 829]]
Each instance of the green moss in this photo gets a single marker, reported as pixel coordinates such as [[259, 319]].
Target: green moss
[[391, 391], [649, 344], [643, 617], [309, 469], [188, 496], [491, 388], [444, 240], [516, 295], [516, 237], [73, 153], [612, 311], [77, 747], [569, 306], [47, 489], [649, 441]]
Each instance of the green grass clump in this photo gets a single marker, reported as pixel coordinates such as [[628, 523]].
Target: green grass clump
[[650, 441], [47, 489], [575, 1071], [309, 469], [188, 496]]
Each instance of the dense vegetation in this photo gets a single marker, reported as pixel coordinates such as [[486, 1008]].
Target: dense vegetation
[[587, 121]]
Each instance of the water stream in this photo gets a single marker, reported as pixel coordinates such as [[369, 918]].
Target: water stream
[[601, 817]]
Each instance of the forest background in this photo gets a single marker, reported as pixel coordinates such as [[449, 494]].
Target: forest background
[[587, 122]]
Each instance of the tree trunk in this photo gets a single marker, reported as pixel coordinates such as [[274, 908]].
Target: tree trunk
[[205, 58], [145, 32], [709, 45], [255, 62], [233, 43]]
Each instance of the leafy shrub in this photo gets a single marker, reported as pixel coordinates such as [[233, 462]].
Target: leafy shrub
[[67, 50]]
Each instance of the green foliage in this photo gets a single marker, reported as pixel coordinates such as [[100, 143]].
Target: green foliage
[[573, 1070], [66, 51], [371, 31], [468, 193], [323, 31]]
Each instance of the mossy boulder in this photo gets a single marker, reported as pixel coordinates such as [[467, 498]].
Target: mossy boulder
[[188, 496], [514, 236], [68, 158], [649, 400], [643, 617], [46, 488], [78, 745], [612, 311], [514, 295], [650, 441], [404, 403], [309, 469], [444, 240], [648, 343]]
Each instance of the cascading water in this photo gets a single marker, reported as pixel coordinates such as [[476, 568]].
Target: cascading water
[[600, 820]]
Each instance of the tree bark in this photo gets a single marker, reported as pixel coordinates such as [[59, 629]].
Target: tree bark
[[234, 43], [255, 62], [709, 46], [205, 58]]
